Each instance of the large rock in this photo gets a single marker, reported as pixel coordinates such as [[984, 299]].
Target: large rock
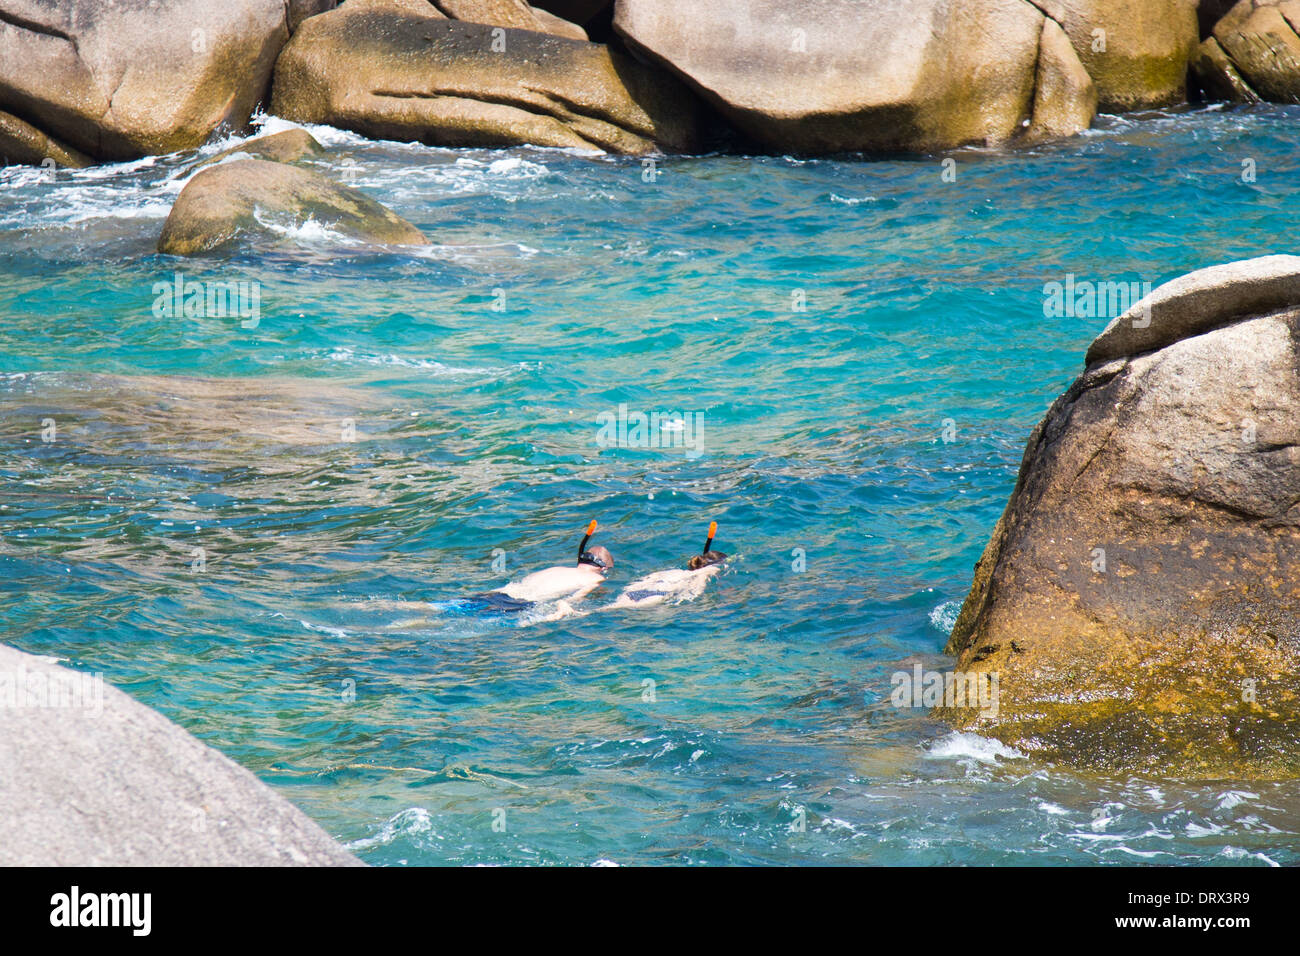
[[93, 778], [510, 13], [253, 197], [300, 10], [834, 75], [286, 147], [1217, 76], [1197, 303], [1254, 53], [1140, 597], [22, 144], [136, 77], [390, 73], [1136, 51]]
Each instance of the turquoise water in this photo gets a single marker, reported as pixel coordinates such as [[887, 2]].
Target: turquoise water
[[306, 639]]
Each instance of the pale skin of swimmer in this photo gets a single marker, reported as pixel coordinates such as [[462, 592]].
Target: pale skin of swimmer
[[562, 585], [673, 584], [571, 583], [558, 584]]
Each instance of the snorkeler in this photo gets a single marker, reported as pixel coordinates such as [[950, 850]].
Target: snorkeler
[[561, 583], [675, 584], [533, 599]]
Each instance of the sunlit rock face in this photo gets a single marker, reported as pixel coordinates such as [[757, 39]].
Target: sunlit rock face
[[1140, 598], [136, 77], [406, 72]]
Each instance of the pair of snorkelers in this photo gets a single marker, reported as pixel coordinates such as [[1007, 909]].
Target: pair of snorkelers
[[573, 583]]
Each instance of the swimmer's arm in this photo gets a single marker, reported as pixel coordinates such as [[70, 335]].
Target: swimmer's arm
[[564, 609], [579, 595], [700, 580]]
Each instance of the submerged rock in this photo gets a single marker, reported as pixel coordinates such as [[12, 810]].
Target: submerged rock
[[144, 792], [834, 75], [387, 72], [1253, 53], [136, 77], [286, 147], [1139, 600], [252, 197]]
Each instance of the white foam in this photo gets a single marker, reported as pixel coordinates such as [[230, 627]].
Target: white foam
[[1141, 854], [944, 617], [472, 253], [1234, 798], [958, 746], [309, 230], [1236, 853], [321, 629], [1102, 820], [269, 124], [408, 822], [349, 357], [521, 167], [71, 203], [16, 177], [111, 170]]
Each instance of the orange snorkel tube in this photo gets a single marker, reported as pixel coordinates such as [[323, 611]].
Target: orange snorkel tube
[[583, 556], [707, 558]]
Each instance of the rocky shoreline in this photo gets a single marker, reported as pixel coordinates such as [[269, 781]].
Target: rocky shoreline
[[87, 82]]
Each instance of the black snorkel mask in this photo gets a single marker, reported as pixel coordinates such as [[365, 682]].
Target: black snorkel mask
[[707, 557], [585, 556]]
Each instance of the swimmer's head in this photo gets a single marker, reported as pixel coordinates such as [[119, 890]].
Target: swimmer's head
[[598, 558], [707, 556]]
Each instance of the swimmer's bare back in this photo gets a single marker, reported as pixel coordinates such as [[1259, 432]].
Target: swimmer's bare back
[[674, 585], [555, 584], [565, 583]]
